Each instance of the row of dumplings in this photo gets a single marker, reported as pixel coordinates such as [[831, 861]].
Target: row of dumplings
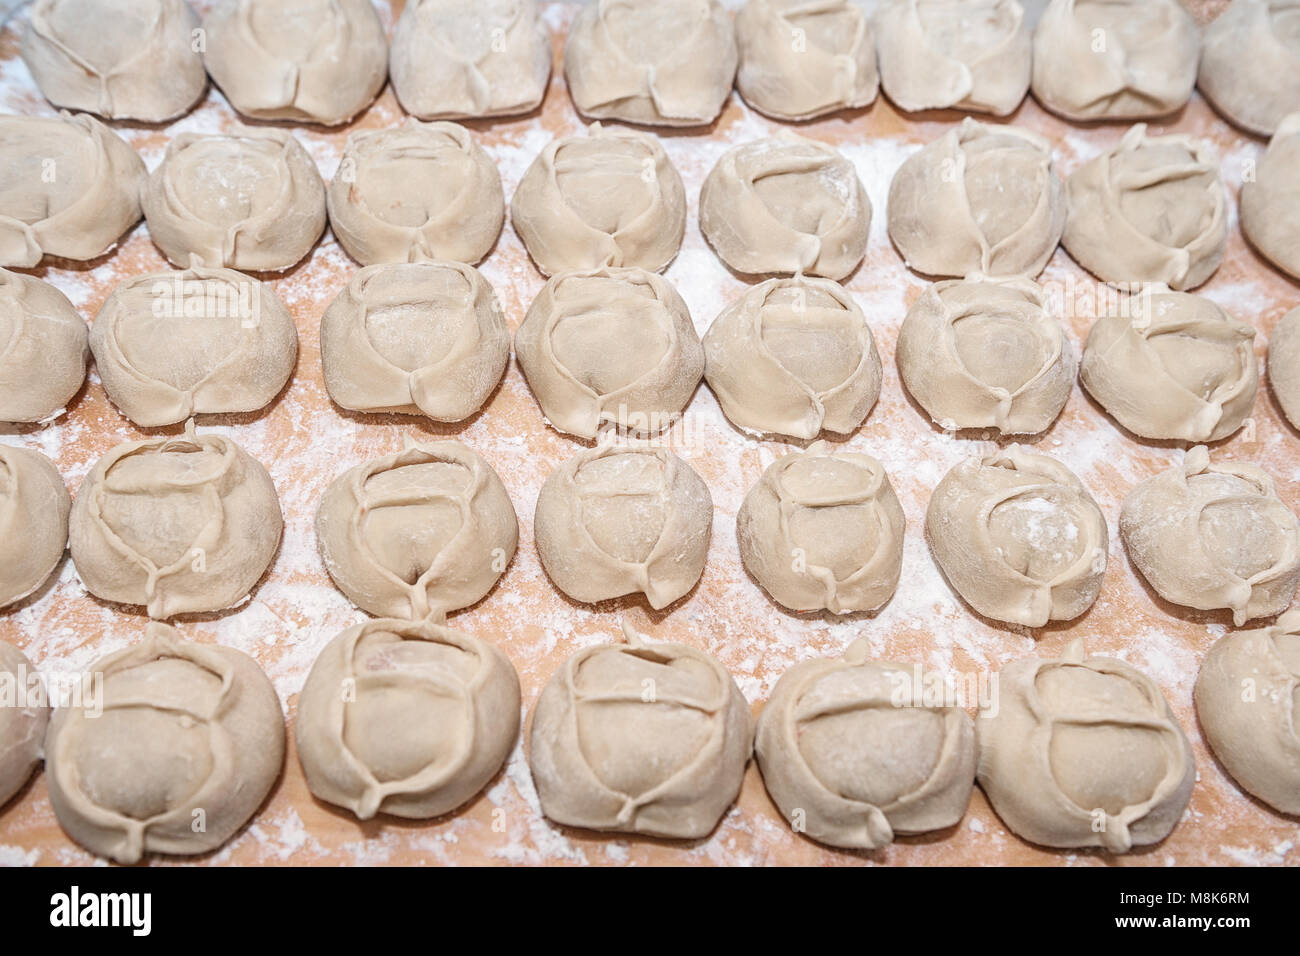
[[664, 62]]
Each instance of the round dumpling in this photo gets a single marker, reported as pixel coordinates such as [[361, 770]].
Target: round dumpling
[[22, 727], [43, 365], [34, 506], [1284, 365], [1270, 199], [1250, 63]]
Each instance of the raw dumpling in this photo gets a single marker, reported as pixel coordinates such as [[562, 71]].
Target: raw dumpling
[[786, 205], [460, 59], [1250, 63], [624, 519], [1171, 365], [1018, 537], [610, 198], [418, 190], [69, 187], [852, 754], [1247, 696], [793, 357], [22, 727], [1115, 59], [251, 201], [405, 718], [123, 59], [188, 744], [980, 198], [1284, 365], [34, 507], [658, 62], [1150, 210], [823, 530], [1083, 751], [182, 525], [805, 58], [304, 61], [417, 534], [1211, 536], [640, 738], [1270, 199], [172, 345], [610, 345], [954, 54], [987, 353], [43, 360], [420, 338]]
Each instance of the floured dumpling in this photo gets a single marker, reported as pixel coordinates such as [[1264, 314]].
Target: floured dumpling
[[852, 755], [1019, 537], [805, 58], [406, 718], [610, 198], [1284, 365], [34, 505], [252, 200], [1214, 535], [69, 187], [1270, 199], [624, 519], [980, 198], [1247, 698], [22, 728], [954, 54], [182, 525], [786, 205], [823, 530], [43, 359], [640, 738], [793, 357], [418, 190], [658, 62], [189, 742], [172, 345], [122, 59], [1250, 63], [1115, 59], [417, 534], [304, 61], [1150, 210], [1171, 365], [1083, 751], [986, 353], [420, 338], [459, 59], [610, 345]]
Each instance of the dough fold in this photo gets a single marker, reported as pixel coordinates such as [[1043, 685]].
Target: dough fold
[[1270, 199], [43, 360], [22, 729], [34, 506], [1250, 63]]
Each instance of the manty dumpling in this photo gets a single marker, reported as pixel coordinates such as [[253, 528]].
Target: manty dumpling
[[417, 534], [1270, 199], [610, 346], [823, 530], [1019, 537], [1284, 365], [407, 718], [122, 59], [852, 756], [45, 352], [793, 357], [1172, 365], [418, 338], [786, 205], [181, 525], [1211, 535], [1115, 59], [954, 54], [610, 198], [34, 506], [981, 198], [987, 353], [640, 738], [624, 519], [657, 62], [1083, 751], [22, 725], [1153, 209], [69, 187], [1250, 63], [804, 58]]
